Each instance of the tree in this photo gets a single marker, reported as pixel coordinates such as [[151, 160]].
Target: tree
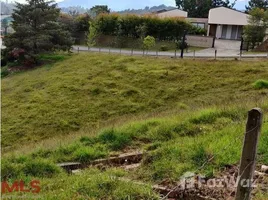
[[37, 29], [263, 4], [98, 9], [148, 42], [200, 8], [256, 30], [83, 22]]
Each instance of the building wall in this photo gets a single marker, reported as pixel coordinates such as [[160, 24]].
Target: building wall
[[173, 13], [229, 28], [199, 41], [227, 16]]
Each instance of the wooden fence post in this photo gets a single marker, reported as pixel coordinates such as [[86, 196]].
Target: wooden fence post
[[194, 54], [249, 154], [216, 54]]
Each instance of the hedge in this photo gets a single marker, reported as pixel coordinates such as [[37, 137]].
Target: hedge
[[134, 26]]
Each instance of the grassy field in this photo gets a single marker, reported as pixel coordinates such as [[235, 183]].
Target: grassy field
[[89, 106]]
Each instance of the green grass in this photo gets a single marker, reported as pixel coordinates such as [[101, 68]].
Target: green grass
[[82, 92], [174, 145], [261, 84], [90, 106]]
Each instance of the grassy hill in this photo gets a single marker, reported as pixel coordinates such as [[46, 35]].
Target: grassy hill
[[90, 106]]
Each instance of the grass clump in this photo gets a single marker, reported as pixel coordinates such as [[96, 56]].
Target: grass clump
[[24, 166], [260, 84], [116, 140], [87, 154]]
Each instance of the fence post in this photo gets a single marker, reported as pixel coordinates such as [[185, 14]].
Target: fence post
[[249, 154], [183, 42], [175, 53], [216, 54], [78, 49], [213, 43], [194, 54]]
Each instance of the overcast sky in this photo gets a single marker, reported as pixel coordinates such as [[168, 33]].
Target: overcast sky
[[125, 4]]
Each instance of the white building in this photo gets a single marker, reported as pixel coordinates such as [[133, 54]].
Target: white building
[[226, 23], [172, 13]]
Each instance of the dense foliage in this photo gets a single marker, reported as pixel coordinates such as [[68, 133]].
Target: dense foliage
[[263, 4], [148, 42], [256, 30], [134, 26], [77, 25], [37, 30]]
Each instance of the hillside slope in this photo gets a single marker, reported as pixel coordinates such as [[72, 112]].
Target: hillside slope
[[184, 117], [86, 90]]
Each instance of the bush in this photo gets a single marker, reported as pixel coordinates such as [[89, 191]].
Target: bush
[[261, 84], [4, 72], [137, 27], [164, 48], [148, 42], [181, 45], [3, 62], [197, 31]]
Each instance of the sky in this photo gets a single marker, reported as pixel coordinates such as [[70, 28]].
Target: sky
[[125, 4]]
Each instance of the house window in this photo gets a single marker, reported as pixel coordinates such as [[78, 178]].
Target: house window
[[200, 25]]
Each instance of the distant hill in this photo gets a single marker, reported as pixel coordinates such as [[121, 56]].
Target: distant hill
[[117, 5], [146, 9]]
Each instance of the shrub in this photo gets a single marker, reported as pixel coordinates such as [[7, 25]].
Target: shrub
[[181, 45], [3, 62], [197, 31], [148, 42], [4, 72], [164, 48], [261, 84], [137, 27]]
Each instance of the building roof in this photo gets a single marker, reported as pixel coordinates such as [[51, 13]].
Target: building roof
[[227, 16]]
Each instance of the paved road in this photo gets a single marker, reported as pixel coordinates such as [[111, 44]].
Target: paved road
[[206, 53]]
